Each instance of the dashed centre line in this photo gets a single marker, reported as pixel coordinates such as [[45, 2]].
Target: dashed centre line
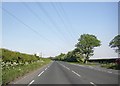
[[109, 72], [31, 82], [45, 68], [41, 73], [92, 83]]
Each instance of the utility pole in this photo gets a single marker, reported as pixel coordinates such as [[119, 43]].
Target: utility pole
[[41, 54]]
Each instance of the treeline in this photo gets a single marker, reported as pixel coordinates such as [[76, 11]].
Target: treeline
[[85, 48], [12, 56], [71, 56]]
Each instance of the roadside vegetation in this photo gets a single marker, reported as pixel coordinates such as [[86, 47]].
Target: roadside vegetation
[[85, 49], [16, 64], [0, 71], [111, 66]]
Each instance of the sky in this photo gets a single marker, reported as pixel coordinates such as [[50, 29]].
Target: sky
[[52, 28]]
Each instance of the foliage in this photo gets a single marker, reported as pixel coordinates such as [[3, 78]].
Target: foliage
[[60, 57], [71, 56], [16, 64], [111, 66], [10, 73], [11, 56], [0, 72], [115, 43], [84, 49], [86, 45]]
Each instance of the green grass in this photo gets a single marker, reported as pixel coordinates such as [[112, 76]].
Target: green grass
[[12, 73], [108, 65], [111, 66], [89, 63], [0, 72]]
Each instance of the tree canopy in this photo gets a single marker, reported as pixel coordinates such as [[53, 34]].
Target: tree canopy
[[84, 49], [86, 44], [115, 43]]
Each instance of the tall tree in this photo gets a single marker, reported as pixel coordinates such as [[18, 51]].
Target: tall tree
[[115, 43], [86, 45]]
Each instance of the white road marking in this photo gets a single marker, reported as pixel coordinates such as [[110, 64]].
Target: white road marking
[[92, 83], [76, 73], [101, 70], [45, 68], [41, 73], [109, 72], [63, 65], [67, 68], [31, 82], [91, 67]]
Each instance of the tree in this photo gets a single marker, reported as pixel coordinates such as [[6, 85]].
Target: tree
[[70, 57], [115, 43], [86, 45], [78, 55], [60, 57]]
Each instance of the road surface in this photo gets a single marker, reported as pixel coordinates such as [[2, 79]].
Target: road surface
[[59, 72]]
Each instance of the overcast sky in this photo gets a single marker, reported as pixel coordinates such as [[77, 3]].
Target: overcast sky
[[54, 28]]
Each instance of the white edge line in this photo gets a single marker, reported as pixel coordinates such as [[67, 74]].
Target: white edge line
[[64, 66], [41, 73], [93, 68], [76, 73]]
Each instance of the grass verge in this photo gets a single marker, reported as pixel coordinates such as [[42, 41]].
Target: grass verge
[[0, 72], [108, 65], [111, 66], [12, 73], [89, 63]]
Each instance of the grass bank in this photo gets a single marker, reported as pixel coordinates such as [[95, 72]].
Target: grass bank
[[0, 72], [11, 73]]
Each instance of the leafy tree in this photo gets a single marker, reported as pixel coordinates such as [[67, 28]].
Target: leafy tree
[[60, 57], [86, 45], [78, 55], [70, 57], [115, 43]]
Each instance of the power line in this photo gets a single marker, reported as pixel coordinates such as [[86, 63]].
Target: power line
[[53, 22], [40, 19], [28, 26], [62, 19], [68, 21]]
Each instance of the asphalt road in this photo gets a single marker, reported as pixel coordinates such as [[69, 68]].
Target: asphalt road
[[59, 72]]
